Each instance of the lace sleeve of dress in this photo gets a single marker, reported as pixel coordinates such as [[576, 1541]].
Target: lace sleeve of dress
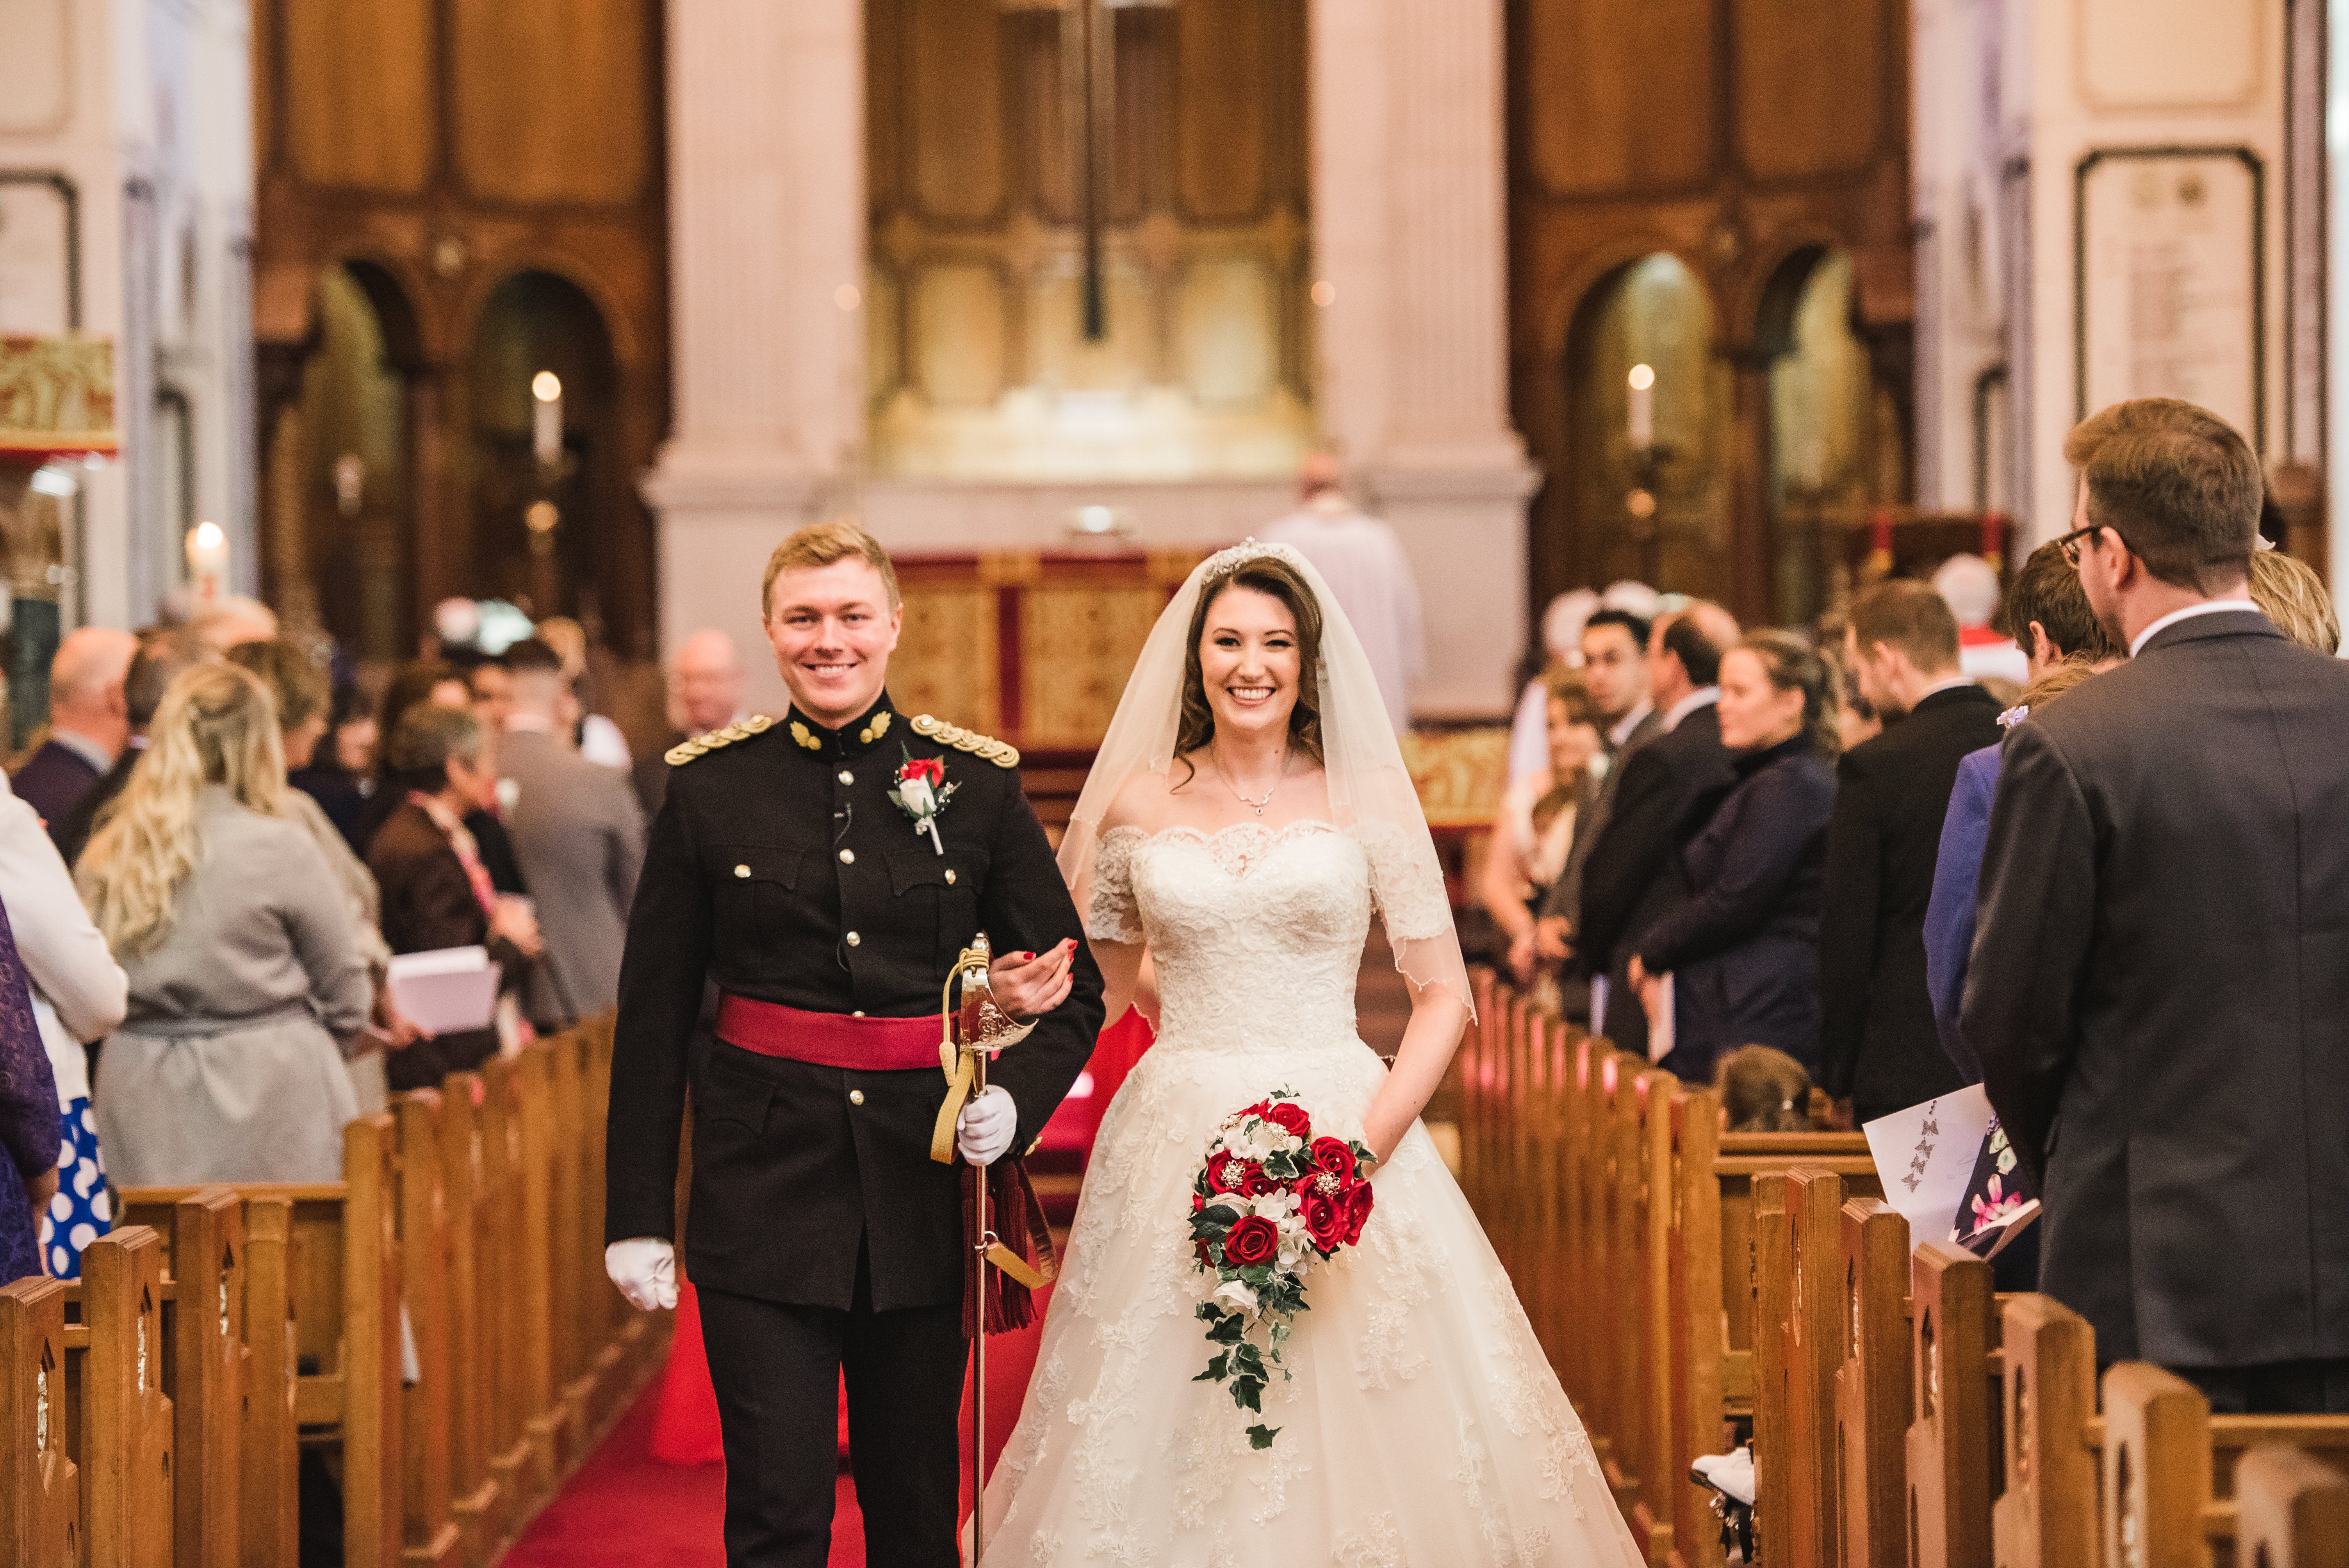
[[1111, 914], [1406, 882]]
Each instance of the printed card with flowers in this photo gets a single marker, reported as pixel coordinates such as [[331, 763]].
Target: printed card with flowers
[[1271, 1202], [2000, 1201]]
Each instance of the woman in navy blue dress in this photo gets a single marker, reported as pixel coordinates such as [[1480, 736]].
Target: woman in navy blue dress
[[1743, 950]]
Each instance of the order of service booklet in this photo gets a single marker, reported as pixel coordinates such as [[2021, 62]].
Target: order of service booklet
[[448, 990]]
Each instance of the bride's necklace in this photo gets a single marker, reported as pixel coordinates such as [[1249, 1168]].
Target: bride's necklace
[[1252, 804]]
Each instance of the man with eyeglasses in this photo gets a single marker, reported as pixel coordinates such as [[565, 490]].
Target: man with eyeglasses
[[2159, 991]]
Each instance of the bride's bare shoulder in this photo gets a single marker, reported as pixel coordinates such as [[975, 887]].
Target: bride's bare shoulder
[[1147, 801]]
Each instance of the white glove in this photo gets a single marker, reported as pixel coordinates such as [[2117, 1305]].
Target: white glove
[[985, 1126], [646, 1271]]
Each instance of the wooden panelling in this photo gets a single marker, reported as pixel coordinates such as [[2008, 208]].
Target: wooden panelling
[[1809, 85], [35, 66], [954, 83], [1617, 98], [945, 661], [1228, 318], [958, 334], [1123, 358], [358, 85], [885, 104], [1225, 115], [552, 100]]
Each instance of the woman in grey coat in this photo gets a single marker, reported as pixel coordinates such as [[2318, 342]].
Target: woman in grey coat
[[245, 966]]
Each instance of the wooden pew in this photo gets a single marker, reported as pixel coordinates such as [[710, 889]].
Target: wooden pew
[[1951, 1441], [1797, 1221], [2292, 1510], [2046, 1513], [40, 1485], [1872, 1384], [119, 1421], [2172, 1469]]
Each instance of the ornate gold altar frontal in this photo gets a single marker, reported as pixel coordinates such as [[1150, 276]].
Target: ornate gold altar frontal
[[1032, 647], [56, 396]]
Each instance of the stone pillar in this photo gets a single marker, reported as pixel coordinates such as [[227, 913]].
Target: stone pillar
[[1410, 218], [767, 204]]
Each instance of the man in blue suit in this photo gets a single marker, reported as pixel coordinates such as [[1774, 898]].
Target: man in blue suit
[[2052, 619]]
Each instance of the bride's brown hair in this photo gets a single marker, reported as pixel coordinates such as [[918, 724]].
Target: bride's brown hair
[[1270, 575]]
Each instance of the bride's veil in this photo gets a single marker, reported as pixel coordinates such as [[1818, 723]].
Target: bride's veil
[[1370, 794]]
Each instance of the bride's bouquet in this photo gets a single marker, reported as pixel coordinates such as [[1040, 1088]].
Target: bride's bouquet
[[1270, 1202]]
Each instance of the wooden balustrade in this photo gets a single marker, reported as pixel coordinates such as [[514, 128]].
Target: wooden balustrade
[[1684, 1281], [439, 1317]]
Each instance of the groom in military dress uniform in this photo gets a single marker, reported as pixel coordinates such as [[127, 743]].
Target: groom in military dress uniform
[[823, 1234]]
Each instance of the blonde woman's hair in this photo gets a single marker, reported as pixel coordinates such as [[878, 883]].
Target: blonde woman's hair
[[218, 724], [2291, 594]]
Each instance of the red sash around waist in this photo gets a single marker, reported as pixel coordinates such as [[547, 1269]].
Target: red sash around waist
[[830, 1039]]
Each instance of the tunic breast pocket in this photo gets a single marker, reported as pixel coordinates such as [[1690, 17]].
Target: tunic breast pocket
[[939, 892], [755, 891]]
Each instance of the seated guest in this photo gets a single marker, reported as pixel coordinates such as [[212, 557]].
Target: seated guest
[[1630, 879], [339, 772], [28, 1117], [1762, 1090], [78, 993], [164, 653], [244, 960], [1539, 818], [1877, 1047], [88, 724], [579, 834], [436, 891], [2290, 593], [2056, 629], [298, 681], [1743, 949]]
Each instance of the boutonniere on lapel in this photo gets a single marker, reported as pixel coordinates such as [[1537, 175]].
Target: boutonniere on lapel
[[922, 793]]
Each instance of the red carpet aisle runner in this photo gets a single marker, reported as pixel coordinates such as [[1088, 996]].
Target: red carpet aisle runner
[[627, 1507]]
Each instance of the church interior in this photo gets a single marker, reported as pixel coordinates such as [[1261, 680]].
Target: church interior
[[404, 333]]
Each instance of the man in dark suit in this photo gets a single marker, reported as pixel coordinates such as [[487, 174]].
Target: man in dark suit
[[826, 1229], [706, 685], [164, 653], [88, 724], [1630, 879], [1876, 1044], [2161, 980]]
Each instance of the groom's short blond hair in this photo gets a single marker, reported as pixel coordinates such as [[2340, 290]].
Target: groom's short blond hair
[[821, 544]]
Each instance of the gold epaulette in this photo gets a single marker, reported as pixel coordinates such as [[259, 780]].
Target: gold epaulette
[[984, 747], [684, 752]]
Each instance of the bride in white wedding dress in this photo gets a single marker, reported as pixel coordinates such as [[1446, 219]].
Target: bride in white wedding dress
[[1249, 814]]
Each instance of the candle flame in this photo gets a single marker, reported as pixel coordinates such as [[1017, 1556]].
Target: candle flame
[[209, 536], [1642, 377], [546, 387]]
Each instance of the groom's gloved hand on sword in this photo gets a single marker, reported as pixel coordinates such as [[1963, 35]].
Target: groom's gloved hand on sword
[[1026, 986]]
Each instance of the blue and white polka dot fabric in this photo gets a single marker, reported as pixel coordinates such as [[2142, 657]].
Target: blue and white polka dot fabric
[[83, 1208]]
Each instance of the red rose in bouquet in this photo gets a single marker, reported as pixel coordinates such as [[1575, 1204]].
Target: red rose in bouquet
[[1255, 1240], [1332, 1157], [1358, 1199], [1255, 1183], [1326, 1221], [1290, 1118], [1220, 1176]]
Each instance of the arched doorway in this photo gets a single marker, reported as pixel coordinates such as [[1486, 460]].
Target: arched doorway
[[342, 502], [1648, 475], [1836, 443], [546, 491]]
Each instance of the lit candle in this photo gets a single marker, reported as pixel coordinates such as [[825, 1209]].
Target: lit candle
[[1643, 408], [208, 561], [546, 417]]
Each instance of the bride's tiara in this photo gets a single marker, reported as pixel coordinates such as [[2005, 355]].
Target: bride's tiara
[[1223, 562]]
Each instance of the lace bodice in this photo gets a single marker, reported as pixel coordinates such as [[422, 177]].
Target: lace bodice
[[1256, 932]]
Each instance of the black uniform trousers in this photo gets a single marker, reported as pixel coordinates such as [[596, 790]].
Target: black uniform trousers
[[777, 1369]]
